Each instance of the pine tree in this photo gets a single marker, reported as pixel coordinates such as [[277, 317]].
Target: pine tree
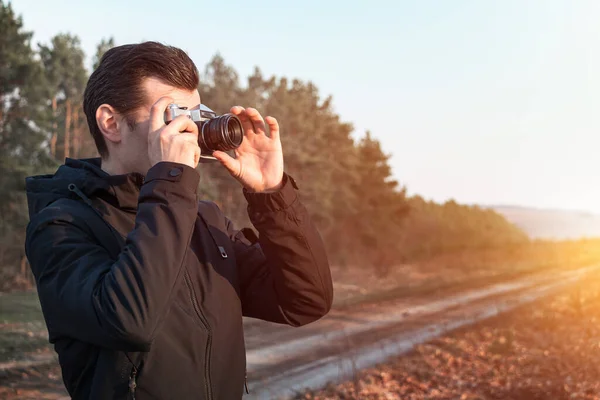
[[66, 75], [22, 149], [101, 48]]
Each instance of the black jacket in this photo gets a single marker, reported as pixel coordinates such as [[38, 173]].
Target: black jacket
[[143, 287]]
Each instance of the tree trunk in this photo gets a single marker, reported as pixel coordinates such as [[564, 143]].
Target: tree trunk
[[23, 266], [54, 129], [76, 134], [26, 273], [67, 128]]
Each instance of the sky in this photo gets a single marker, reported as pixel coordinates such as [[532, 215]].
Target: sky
[[484, 102]]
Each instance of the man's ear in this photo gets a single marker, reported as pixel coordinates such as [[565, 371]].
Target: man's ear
[[108, 121]]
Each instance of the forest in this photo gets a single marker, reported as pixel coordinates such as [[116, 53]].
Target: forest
[[363, 211]]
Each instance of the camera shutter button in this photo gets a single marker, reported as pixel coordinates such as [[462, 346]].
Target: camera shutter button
[[175, 172]]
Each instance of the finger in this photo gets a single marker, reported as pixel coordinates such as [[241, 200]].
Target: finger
[[273, 127], [230, 163], [183, 123], [157, 113], [257, 120], [240, 112], [236, 110]]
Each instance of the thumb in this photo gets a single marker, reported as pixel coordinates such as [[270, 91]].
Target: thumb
[[232, 165]]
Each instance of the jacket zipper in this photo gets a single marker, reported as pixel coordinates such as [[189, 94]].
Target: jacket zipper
[[132, 382], [206, 326], [73, 188], [224, 255]]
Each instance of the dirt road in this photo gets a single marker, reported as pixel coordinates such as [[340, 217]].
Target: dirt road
[[283, 361]]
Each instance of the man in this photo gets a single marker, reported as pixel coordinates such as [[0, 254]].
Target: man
[[143, 287]]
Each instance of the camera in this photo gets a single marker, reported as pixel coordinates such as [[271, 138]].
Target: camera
[[222, 133]]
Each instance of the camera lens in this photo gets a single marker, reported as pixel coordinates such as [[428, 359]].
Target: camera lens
[[222, 133]]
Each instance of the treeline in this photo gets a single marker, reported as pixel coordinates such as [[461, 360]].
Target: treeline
[[363, 214]]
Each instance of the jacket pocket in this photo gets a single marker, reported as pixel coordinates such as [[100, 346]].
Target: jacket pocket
[[175, 367], [206, 325]]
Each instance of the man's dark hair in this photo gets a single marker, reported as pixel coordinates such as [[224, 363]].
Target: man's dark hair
[[118, 80]]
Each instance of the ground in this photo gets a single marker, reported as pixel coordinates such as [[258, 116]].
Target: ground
[[33, 383], [23, 332], [549, 349], [485, 361], [23, 337]]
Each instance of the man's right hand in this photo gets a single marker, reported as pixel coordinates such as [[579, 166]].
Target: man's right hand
[[175, 142]]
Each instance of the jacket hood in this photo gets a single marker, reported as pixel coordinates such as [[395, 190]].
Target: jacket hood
[[80, 179]]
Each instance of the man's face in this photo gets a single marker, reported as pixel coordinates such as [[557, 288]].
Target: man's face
[[133, 149]]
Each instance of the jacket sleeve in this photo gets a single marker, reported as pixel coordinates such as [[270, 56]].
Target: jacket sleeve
[[285, 276], [118, 304]]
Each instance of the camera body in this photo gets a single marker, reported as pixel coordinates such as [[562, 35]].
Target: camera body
[[200, 114], [224, 133]]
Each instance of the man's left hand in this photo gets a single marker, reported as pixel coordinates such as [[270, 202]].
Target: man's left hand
[[258, 165]]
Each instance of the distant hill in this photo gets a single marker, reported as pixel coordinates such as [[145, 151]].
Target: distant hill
[[552, 224]]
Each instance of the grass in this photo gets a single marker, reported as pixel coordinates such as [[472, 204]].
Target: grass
[[19, 307], [22, 328], [461, 270], [431, 287], [16, 345]]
